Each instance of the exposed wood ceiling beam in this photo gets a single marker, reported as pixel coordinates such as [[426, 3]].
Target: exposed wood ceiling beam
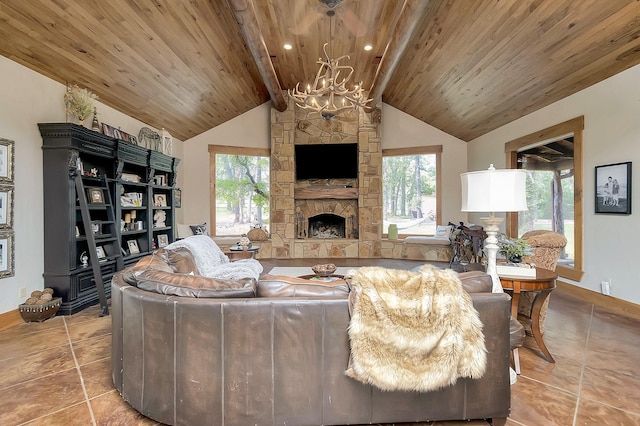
[[412, 12], [245, 14]]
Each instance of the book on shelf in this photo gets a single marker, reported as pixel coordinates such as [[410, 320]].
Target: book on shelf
[[527, 270]]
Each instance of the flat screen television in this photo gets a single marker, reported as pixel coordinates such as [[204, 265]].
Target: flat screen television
[[326, 161]]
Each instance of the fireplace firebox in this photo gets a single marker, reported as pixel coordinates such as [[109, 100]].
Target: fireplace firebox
[[327, 225]]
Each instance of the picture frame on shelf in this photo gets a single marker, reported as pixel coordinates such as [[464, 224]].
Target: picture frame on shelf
[[613, 188], [100, 252], [159, 200], [160, 180], [163, 240], [7, 147], [6, 206], [96, 228], [177, 196], [7, 260], [133, 247], [96, 196]]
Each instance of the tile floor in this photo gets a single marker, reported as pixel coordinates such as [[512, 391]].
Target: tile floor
[[58, 372]]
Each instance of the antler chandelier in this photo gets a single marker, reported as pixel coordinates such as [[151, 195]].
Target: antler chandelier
[[329, 94]]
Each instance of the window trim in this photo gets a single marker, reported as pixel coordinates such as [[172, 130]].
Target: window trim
[[574, 126], [421, 150], [226, 150]]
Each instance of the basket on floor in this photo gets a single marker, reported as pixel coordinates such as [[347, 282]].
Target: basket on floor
[[41, 312]]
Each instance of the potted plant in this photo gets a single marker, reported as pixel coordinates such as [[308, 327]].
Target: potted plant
[[514, 249], [79, 102]]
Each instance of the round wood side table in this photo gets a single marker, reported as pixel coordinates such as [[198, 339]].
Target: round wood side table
[[543, 283]]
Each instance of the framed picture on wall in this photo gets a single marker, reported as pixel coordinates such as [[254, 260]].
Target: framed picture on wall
[[6, 207], [6, 255], [6, 160], [613, 188]]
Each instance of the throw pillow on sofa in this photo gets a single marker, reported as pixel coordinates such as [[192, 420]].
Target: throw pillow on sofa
[[199, 229], [155, 261], [195, 286], [181, 260], [285, 286]]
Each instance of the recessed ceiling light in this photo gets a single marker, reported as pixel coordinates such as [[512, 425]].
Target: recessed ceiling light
[[287, 46], [368, 47]]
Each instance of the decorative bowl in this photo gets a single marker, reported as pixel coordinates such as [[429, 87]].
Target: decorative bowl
[[40, 312], [324, 270]]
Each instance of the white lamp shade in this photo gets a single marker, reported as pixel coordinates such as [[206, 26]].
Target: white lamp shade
[[494, 190]]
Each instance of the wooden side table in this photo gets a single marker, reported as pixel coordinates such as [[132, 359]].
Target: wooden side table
[[236, 253], [543, 283]]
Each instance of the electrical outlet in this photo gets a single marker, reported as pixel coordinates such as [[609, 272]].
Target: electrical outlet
[[22, 292], [606, 287]]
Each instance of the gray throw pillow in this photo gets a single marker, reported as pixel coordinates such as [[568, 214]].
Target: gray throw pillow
[[199, 229]]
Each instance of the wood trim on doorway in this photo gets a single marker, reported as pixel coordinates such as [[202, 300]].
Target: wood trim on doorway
[[574, 126]]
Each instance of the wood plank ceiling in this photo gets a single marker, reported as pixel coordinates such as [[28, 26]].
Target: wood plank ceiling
[[470, 66]]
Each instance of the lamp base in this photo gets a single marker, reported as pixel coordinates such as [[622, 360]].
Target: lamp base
[[491, 227]]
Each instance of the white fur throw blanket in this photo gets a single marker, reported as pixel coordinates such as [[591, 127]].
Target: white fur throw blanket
[[213, 263], [413, 331]]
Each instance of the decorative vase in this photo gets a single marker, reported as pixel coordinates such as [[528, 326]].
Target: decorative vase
[[393, 232], [516, 258], [95, 124]]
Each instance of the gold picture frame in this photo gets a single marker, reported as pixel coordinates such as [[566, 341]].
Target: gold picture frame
[[95, 195]]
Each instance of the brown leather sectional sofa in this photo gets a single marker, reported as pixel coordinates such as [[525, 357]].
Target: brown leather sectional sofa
[[274, 359]]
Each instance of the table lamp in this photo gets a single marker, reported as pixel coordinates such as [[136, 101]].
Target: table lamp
[[493, 191]]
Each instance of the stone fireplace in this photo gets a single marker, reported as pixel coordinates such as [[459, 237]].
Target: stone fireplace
[[325, 217]]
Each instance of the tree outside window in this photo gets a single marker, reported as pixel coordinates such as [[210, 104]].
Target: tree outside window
[[409, 193], [241, 193]]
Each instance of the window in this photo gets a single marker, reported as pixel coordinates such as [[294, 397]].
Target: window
[[553, 159], [411, 198], [239, 189], [550, 202]]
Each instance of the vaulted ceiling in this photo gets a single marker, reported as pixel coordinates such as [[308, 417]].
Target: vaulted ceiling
[[464, 66]]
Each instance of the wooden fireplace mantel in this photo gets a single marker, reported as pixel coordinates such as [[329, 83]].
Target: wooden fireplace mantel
[[317, 193]]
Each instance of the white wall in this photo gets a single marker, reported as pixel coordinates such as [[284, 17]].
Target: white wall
[[251, 129], [612, 134], [27, 99]]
